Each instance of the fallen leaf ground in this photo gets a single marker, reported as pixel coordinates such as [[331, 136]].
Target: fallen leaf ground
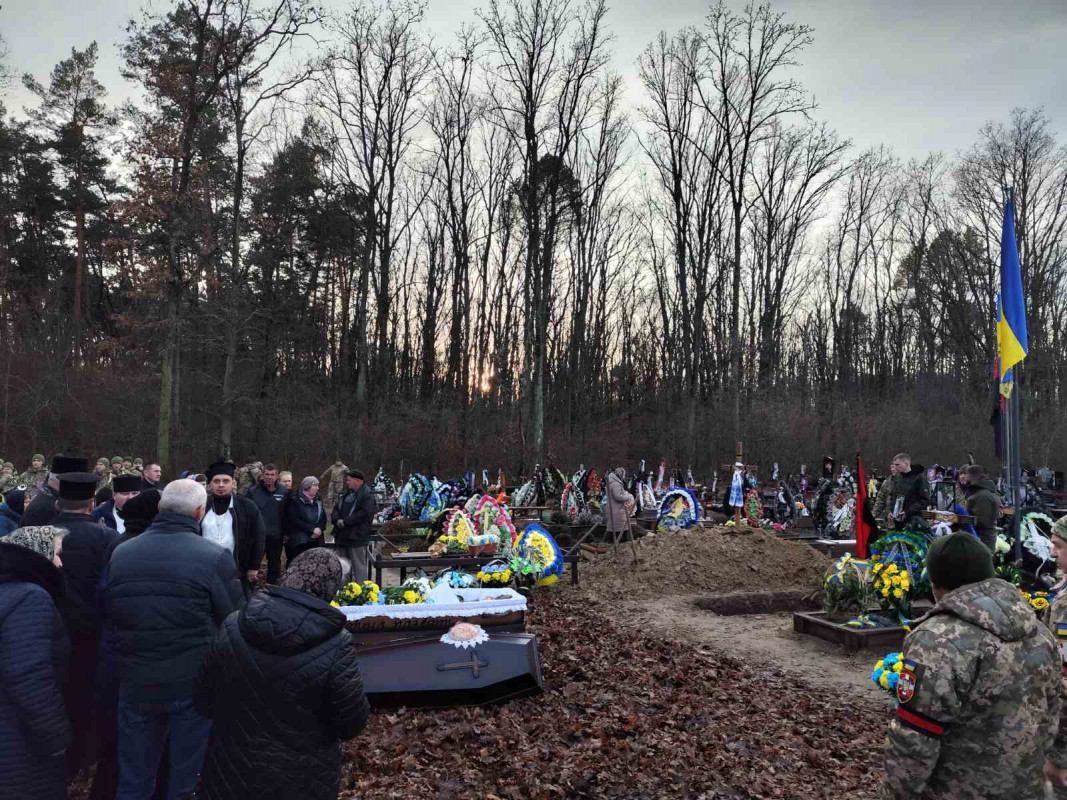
[[627, 715]]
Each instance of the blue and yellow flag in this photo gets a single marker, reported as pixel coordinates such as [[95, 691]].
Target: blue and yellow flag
[[1012, 344]]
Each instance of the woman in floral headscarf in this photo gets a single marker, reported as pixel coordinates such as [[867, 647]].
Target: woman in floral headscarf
[[34, 732], [283, 686]]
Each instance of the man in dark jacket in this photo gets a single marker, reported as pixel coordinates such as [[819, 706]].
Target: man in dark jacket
[[42, 509], [282, 685], [910, 493], [982, 503], [86, 549], [33, 655], [352, 518], [234, 523], [270, 497], [125, 488], [168, 590]]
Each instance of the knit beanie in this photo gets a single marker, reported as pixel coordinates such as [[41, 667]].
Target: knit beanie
[[308, 482], [16, 500], [957, 560], [317, 572], [1060, 528], [40, 539]]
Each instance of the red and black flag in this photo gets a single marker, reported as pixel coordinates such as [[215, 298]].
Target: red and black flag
[[865, 524]]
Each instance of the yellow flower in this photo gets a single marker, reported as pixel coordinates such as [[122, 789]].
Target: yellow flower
[[1039, 603], [507, 576], [356, 591], [880, 664], [335, 604], [898, 594], [410, 596], [885, 591]]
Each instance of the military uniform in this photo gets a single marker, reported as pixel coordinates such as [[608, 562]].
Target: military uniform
[[247, 476], [34, 478], [881, 501], [333, 482], [978, 700], [8, 479]]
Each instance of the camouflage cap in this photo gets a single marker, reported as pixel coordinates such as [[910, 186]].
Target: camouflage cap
[[8, 465], [138, 461], [103, 460], [1060, 529], [116, 460], [37, 457]]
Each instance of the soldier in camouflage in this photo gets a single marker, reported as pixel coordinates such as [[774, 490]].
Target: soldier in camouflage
[[333, 480], [8, 479], [103, 474], [1056, 761], [247, 476], [978, 699], [33, 478], [881, 501]]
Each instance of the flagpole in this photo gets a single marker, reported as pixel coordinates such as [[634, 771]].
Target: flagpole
[[1013, 449]]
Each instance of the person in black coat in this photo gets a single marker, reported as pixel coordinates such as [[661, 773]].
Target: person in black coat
[[86, 549], [352, 524], [283, 687], [34, 732], [306, 515], [42, 509], [168, 590], [125, 488], [11, 511], [234, 523], [271, 498]]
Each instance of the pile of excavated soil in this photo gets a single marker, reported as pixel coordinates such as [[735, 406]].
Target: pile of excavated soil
[[706, 561]]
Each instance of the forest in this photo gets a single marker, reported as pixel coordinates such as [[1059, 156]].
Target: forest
[[321, 234]]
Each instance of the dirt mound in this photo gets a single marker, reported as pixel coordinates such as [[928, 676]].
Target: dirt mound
[[706, 561]]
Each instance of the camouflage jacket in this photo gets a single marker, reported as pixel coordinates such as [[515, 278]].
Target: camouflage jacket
[[247, 476], [885, 488], [1057, 621], [8, 482], [333, 482], [34, 479], [977, 702]]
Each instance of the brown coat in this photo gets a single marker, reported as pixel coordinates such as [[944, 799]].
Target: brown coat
[[617, 517]]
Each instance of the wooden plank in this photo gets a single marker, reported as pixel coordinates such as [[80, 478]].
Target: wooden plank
[[814, 623]]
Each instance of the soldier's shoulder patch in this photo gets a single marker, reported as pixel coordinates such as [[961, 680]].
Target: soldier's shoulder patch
[[908, 684], [1061, 630]]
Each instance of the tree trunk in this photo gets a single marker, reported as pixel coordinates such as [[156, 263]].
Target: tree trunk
[[166, 382], [79, 285]]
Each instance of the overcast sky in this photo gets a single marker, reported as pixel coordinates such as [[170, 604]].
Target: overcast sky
[[913, 74]]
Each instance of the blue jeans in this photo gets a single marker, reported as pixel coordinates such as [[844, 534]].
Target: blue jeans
[[143, 732]]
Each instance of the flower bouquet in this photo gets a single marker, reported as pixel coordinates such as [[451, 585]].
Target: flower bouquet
[[357, 594], [886, 673], [894, 587], [847, 590], [496, 574], [410, 592], [447, 546]]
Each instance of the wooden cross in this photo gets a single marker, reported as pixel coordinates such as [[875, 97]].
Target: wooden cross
[[474, 665]]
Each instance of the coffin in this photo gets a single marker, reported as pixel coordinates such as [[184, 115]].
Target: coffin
[[427, 672]]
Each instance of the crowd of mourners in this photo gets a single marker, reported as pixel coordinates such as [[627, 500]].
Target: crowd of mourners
[[139, 635]]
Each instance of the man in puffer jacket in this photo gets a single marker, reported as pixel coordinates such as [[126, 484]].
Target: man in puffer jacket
[[282, 684], [34, 732], [978, 698]]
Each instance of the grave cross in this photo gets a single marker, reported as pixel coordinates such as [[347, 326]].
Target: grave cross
[[730, 471]]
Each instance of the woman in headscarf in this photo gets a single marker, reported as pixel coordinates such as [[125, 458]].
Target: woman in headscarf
[[34, 731], [282, 685], [620, 502]]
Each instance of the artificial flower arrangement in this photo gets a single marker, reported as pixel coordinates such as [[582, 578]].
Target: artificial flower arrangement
[[447, 545], [847, 589], [357, 594], [1039, 601], [886, 673], [536, 557], [893, 586], [498, 574], [410, 592]]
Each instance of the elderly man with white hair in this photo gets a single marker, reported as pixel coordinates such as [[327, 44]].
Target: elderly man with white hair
[[168, 591]]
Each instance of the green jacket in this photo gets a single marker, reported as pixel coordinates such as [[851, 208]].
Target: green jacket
[[1057, 621], [980, 701], [983, 504]]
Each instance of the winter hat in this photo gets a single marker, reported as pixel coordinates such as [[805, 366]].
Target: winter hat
[[317, 572], [1060, 529], [139, 511], [957, 560], [308, 482], [37, 457], [16, 500], [40, 539]]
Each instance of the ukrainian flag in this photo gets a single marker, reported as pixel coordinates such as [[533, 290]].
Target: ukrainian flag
[[1012, 344]]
